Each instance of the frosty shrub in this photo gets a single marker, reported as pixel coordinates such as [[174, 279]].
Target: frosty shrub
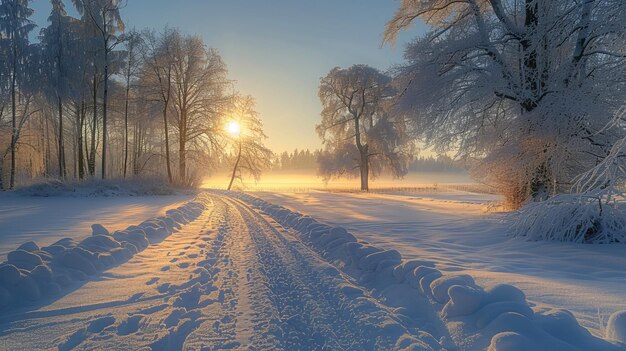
[[593, 212], [578, 218]]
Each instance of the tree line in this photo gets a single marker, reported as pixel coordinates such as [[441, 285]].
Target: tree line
[[93, 98]]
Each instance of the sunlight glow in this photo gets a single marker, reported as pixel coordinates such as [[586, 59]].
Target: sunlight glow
[[233, 128]]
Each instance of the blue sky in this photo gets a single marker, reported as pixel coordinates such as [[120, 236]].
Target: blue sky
[[277, 50]]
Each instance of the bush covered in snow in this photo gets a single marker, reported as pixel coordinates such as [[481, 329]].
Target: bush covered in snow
[[100, 188], [594, 211], [578, 218]]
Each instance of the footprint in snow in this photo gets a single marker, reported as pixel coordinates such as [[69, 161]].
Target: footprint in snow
[[152, 281], [135, 297], [130, 325], [163, 288], [165, 268], [98, 325], [70, 341], [183, 265]]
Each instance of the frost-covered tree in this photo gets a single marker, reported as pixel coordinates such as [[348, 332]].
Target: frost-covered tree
[[199, 95], [104, 18], [360, 133], [58, 67], [525, 88], [156, 76], [245, 135], [132, 43], [15, 26]]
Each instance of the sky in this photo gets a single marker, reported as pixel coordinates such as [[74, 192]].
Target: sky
[[277, 50]]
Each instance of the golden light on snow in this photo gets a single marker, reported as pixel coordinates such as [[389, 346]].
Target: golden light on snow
[[233, 128]]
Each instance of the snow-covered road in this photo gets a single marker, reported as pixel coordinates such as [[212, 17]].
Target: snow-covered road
[[227, 280]]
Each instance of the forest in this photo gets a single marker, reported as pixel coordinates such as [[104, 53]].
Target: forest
[[91, 97]]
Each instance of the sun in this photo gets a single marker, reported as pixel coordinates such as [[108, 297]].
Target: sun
[[233, 128]]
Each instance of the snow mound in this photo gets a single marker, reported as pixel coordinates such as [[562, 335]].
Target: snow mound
[[495, 319], [100, 188], [32, 273], [616, 328]]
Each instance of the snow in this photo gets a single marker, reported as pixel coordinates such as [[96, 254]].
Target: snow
[[45, 220], [457, 232], [498, 318], [616, 327], [234, 279], [228, 270], [31, 273]]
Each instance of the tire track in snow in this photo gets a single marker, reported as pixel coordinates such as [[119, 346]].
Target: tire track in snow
[[312, 297]]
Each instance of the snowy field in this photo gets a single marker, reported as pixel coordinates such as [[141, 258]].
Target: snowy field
[[48, 219], [232, 271], [458, 232]]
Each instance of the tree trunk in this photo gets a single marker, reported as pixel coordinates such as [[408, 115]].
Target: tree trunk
[[182, 136], [167, 144], [363, 153], [232, 177], [80, 116], [62, 171], [13, 113], [104, 109], [364, 168], [126, 123], [1, 172], [181, 158], [48, 152], [91, 163], [533, 79]]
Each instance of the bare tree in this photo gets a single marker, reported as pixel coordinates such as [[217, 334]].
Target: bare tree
[[15, 23], [245, 134], [157, 73], [200, 93], [132, 41]]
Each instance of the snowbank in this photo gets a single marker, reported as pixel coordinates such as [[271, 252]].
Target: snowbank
[[99, 188], [475, 318], [32, 273]]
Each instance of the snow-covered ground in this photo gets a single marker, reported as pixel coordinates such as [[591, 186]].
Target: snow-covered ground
[[228, 280], [457, 232], [48, 219], [231, 271]]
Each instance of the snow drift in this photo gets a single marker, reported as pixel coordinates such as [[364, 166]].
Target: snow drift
[[498, 318], [31, 273]]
